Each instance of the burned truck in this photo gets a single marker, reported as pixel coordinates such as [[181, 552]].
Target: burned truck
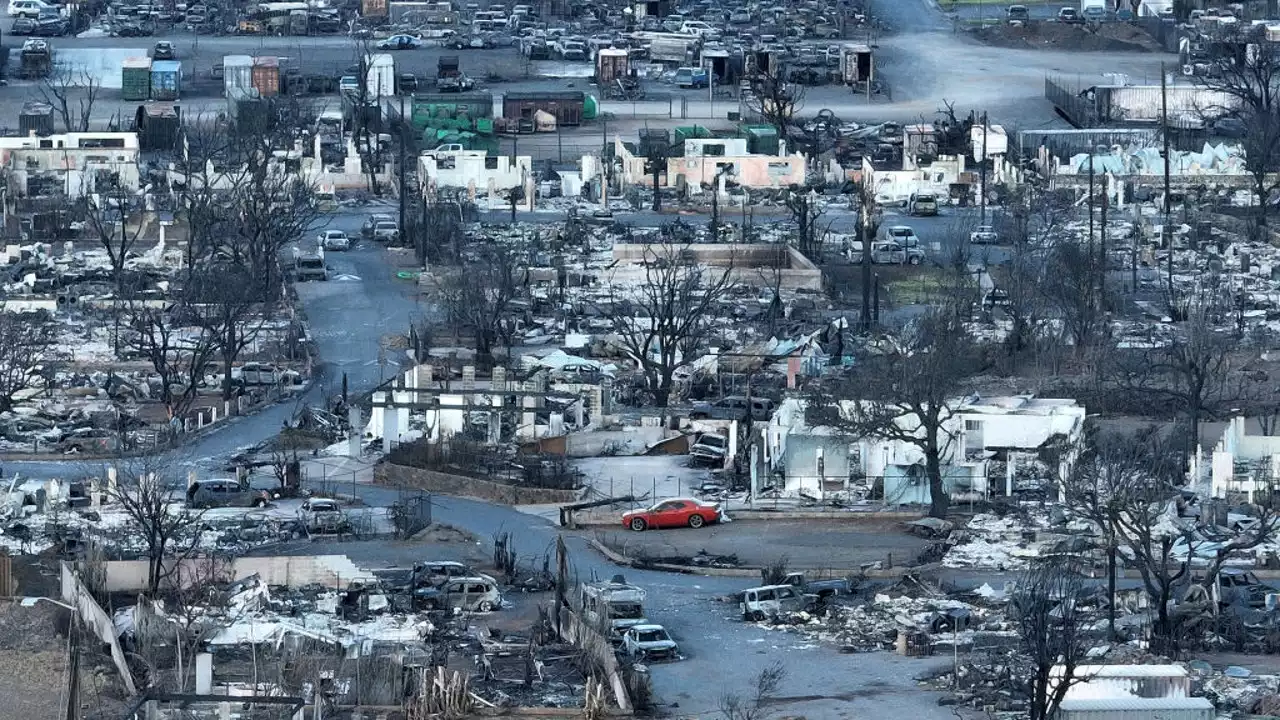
[[612, 606]]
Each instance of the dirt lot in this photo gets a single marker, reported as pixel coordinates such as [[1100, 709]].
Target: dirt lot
[[1106, 37], [33, 665], [835, 545]]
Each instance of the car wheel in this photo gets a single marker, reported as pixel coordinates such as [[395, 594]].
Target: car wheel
[[485, 606], [259, 502], [758, 616], [696, 521], [913, 260], [638, 524]]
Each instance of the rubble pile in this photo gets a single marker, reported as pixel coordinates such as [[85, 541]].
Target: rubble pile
[[909, 608], [1009, 542], [98, 394]]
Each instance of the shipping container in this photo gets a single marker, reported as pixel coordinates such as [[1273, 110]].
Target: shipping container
[[36, 117], [373, 8], [158, 125], [251, 114], [237, 73], [856, 65], [611, 64], [453, 105], [381, 78], [566, 107], [135, 78], [762, 140], [166, 79], [1133, 708], [266, 76], [1143, 681], [1143, 103]]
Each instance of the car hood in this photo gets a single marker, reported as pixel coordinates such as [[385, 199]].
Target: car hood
[[656, 645]]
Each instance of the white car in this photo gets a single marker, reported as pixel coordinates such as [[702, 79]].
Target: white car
[[649, 642], [30, 8], [334, 240], [984, 235]]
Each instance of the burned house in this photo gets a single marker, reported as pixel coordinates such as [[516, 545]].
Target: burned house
[[70, 165]]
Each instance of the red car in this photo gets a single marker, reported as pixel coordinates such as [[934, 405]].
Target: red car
[[676, 512]]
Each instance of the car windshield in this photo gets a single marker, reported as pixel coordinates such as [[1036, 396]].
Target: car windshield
[[625, 611], [713, 441], [386, 226], [651, 636], [311, 264], [336, 235]]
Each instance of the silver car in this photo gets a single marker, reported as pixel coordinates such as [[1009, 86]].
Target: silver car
[[649, 642]]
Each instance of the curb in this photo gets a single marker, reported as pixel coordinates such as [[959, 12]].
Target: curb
[[750, 571], [752, 516]]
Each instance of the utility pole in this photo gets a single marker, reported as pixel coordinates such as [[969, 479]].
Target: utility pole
[[404, 195], [866, 257], [982, 169], [1090, 199], [1165, 231], [1102, 240]]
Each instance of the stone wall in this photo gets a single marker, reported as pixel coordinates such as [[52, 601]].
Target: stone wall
[[462, 486]]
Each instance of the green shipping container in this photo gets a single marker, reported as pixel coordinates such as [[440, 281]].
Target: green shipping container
[[590, 108], [135, 78], [689, 132], [762, 140]]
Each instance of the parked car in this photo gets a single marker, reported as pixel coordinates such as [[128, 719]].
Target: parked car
[[733, 407], [709, 449], [1069, 15], [310, 266], [470, 594], [366, 230], [29, 8], [1017, 14], [894, 253], [225, 493], [438, 572], [769, 600], [89, 439], [819, 588], [323, 516], [164, 50], [51, 24], [334, 240], [984, 235], [400, 42], [649, 642], [439, 150], [676, 512], [386, 231], [922, 204], [23, 26]]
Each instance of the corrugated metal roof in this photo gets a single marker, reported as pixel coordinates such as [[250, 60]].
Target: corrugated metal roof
[[1138, 703], [1123, 671], [163, 66]]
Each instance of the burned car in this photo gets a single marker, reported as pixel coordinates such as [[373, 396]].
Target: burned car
[[649, 642], [323, 516]]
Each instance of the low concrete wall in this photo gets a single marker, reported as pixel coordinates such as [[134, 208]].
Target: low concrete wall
[[750, 262], [574, 629], [462, 486], [335, 571]]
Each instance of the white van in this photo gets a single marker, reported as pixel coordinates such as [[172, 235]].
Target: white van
[[29, 8]]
